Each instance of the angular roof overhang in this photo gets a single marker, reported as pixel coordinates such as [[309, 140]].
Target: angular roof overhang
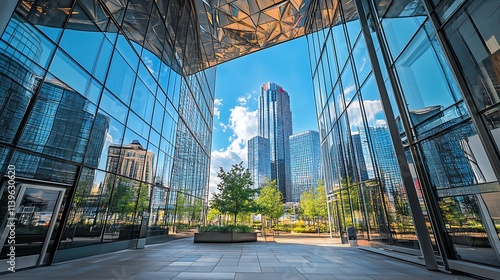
[[192, 35]]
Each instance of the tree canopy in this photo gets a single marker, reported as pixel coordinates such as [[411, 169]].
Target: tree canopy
[[313, 202], [235, 191], [270, 201]]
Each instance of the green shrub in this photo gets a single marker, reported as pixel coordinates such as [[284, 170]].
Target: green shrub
[[226, 229]]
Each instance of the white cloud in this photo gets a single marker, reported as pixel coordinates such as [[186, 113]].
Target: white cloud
[[149, 64], [244, 124], [372, 108], [380, 123], [242, 100], [348, 91], [217, 104], [224, 127], [109, 138]]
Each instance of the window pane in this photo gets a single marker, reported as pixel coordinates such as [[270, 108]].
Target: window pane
[[422, 78], [113, 106], [399, 31], [59, 123], [361, 60], [19, 79], [69, 72], [28, 41], [142, 101], [121, 78]]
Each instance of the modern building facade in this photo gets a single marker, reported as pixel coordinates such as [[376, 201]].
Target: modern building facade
[[259, 161], [275, 124], [305, 162], [106, 128], [411, 89], [77, 77]]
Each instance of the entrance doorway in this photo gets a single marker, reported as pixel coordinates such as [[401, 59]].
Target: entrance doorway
[[36, 211]]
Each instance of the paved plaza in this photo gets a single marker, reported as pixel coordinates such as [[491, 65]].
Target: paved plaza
[[286, 258]]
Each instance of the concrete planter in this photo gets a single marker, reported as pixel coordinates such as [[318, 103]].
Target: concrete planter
[[225, 237]]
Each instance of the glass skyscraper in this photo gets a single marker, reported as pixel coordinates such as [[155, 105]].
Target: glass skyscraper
[[410, 88], [275, 124], [305, 162], [259, 161]]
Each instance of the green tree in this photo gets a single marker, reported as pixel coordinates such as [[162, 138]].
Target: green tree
[[306, 204], [214, 215], [313, 202], [235, 192], [320, 200], [270, 201]]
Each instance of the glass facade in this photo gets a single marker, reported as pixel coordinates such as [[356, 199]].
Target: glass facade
[[106, 111], [275, 124], [305, 162], [406, 95], [109, 137], [259, 161]]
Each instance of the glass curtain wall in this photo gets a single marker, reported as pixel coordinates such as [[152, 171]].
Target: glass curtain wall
[[363, 181], [455, 180], [467, 29], [94, 103]]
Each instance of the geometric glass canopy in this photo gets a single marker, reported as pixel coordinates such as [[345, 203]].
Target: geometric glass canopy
[[192, 35]]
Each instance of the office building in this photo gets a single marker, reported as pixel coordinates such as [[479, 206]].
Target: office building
[[275, 124], [305, 162], [259, 161], [74, 73]]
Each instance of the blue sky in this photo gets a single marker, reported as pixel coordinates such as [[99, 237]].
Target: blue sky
[[237, 88]]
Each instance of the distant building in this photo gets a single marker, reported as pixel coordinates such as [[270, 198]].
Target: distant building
[[131, 161], [362, 173], [259, 161], [305, 162], [275, 124]]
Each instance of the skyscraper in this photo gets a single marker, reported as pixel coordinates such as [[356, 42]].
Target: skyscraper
[[275, 124], [305, 162], [259, 161]]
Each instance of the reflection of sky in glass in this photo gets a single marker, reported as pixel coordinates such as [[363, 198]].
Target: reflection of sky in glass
[[48, 196]]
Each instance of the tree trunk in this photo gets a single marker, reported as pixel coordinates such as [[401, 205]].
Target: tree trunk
[[235, 216]]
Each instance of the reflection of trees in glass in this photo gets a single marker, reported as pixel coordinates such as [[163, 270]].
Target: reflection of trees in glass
[[196, 209], [399, 215], [188, 209], [143, 201], [181, 207], [461, 214], [123, 200], [89, 203], [81, 201]]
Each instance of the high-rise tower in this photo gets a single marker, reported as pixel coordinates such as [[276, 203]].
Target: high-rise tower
[[275, 124]]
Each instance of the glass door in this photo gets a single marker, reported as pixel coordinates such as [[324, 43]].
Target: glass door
[[28, 236]]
